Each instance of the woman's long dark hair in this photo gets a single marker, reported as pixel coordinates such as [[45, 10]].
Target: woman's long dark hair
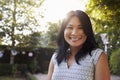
[[88, 46]]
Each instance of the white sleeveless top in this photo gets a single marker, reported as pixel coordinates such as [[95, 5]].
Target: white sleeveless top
[[82, 71]]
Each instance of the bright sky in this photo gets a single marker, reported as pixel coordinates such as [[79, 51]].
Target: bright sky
[[57, 9]]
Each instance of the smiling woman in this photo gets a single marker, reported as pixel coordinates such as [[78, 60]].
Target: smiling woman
[[78, 56], [56, 9]]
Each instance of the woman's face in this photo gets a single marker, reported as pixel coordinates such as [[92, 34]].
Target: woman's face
[[74, 33]]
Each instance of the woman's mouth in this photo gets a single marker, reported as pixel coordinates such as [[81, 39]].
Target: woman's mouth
[[75, 38]]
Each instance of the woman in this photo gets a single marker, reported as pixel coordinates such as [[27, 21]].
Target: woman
[[78, 56]]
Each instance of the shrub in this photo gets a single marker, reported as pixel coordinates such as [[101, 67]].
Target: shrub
[[8, 69], [5, 69], [23, 68], [43, 56], [39, 62], [115, 62]]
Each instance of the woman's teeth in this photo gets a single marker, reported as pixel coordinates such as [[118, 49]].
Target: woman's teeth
[[75, 38]]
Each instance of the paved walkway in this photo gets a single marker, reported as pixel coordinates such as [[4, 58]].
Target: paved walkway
[[114, 77], [41, 76], [44, 77]]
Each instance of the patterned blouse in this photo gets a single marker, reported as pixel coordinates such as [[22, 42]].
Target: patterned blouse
[[82, 71]]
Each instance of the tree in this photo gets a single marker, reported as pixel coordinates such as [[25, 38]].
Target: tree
[[16, 16], [52, 33], [32, 40], [105, 18]]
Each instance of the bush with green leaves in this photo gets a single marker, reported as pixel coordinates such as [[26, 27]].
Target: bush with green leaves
[[8, 69], [5, 69], [42, 58], [115, 62]]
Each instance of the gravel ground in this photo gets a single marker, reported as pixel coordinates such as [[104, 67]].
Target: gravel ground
[[44, 77]]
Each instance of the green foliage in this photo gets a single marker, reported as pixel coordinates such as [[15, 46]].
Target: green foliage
[[18, 17], [33, 66], [32, 40], [105, 19], [11, 78], [1, 15], [43, 56], [2, 34], [35, 39], [99, 41], [8, 69], [115, 62], [52, 33], [14, 69], [5, 69], [39, 62], [23, 68]]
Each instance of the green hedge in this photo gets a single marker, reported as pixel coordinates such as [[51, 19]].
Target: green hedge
[[39, 62], [42, 58], [7, 69], [115, 62]]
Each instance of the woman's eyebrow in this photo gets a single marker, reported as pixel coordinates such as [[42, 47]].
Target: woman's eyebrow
[[80, 25]]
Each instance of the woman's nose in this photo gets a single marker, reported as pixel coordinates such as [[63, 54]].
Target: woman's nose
[[74, 31]]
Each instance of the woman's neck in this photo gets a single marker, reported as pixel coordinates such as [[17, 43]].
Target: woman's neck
[[74, 50]]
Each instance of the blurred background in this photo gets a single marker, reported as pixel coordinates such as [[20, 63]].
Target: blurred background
[[28, 30]]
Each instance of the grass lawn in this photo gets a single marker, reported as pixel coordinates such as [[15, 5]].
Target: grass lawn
[[11, 78]]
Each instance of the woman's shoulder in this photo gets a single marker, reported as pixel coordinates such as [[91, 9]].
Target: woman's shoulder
[[96, 54], [96, 51], [54, 54], [53, 59]]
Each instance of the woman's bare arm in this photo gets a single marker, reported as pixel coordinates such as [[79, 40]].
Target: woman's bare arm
[[102, 69], [50, 70]]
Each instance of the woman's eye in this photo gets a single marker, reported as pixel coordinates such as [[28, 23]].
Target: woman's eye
[[80, 27], [69, 27]]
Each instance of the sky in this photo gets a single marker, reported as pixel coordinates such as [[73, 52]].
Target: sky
[[57, 9]]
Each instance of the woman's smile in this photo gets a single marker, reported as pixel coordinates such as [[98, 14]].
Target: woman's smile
[[75, 39]]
